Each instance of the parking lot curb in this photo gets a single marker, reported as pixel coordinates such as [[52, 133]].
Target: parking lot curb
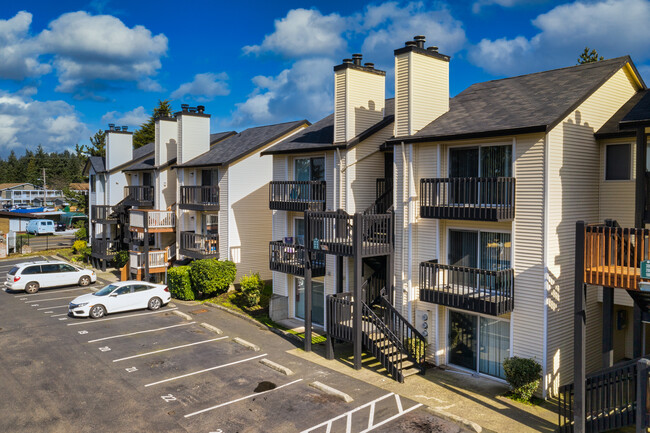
[[277, 367], [183, 315], [460, 421], [238, 314], [246, 344], [331, 391], [212, 328]]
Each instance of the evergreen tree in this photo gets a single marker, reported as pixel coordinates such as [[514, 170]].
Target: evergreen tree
[[589, 57], [147, 132], [97, 145]]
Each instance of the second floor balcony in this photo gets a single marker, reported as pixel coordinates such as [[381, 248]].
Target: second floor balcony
[[152, 221], [102, 214], [104, 248], [158, 259], [289, 258], [468, 198], [477, 290], [297, 195], [201, 198], [138, 195], [199, 246]]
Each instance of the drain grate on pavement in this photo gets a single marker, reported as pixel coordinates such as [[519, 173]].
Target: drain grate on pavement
[[199, 311]]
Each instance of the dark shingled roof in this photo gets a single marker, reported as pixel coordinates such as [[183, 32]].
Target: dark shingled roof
[[320, 135], [527, 103], [220, 136], [639, 115], [139, 153], [97, 163], [611, 127], [245, 142]]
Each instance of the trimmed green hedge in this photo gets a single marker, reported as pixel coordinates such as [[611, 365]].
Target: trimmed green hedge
[[523, 376], [178, 281], [211, 276], [120, 259]]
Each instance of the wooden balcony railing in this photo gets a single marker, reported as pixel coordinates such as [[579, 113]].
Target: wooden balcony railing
[[102, 213], [102, 249], [199, 246], [297, 195], [613, 255], [468, 198], [290, 259], [138, 195], [471, 289], [152, 220], [199, 198], [158, 260]]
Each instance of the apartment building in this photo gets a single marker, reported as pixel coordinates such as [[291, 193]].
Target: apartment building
[[27, 194]]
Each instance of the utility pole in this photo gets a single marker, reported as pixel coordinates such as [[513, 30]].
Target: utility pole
[[44, 190]]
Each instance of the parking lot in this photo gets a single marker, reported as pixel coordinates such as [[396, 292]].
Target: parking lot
[[146, 371]]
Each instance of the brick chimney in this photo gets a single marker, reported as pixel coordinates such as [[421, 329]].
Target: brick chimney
[[421, 86], [193, 133], [359, 97], [119, 146]]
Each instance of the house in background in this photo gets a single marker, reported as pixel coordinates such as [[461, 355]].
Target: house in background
[[27, 194]]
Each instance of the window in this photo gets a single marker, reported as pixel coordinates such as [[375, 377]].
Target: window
[[123, 290], [210, 177], [485, 161], [618, 161], [66, 268], [141, 287], [32, 270], [309, 169], [50, 269]]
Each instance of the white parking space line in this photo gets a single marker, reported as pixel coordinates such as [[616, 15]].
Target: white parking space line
[[139, 332], [240, 399], [51, 308], [51, 299], [57, 315], [203, 371], [170, 348], [85, 322], [379, 424], [47, 293]]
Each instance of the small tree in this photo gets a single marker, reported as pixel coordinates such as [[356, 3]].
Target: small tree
[[120, 259], [589, 57], [523, 376], [211, 276], [251, 288], [178, 281]]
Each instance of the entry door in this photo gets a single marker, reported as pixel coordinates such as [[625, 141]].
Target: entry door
[[462, 339], [317, 301], [463, 251], [146, 179], [463, 163]]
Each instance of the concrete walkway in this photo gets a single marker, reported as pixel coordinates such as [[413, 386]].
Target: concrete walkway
[[450, 393]]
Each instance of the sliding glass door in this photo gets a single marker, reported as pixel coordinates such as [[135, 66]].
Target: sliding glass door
[[317, 301]]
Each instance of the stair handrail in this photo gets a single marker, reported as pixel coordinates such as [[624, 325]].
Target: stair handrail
[[414, 333], [372, 209], [394, 367]]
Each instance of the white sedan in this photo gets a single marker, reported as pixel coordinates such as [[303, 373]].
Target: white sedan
[[122, 296]]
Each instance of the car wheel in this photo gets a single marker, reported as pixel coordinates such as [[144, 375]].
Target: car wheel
[[84, 281], [97, 311], [154, 303], [31, 287]]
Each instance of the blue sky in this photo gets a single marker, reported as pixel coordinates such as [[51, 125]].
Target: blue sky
[[68, 68]]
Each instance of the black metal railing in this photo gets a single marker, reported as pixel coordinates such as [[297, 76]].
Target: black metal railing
[[373, 288], [610, 399], [199, 246], [383, 185], [471, 289], [413, 342], [103, 248], [382, 343], [297, 195], [199, 197], [468, 198], [376, 234], [102, 212], [383, 199], [138, 195], [290, 259], [339, 308]]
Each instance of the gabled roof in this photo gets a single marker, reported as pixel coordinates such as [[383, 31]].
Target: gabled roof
[[239, 145], [639, 115], [611, 128], [79, 186], [220, 136], [97, 163], [320, 135], [4, 186], [139, 153], [527, 103]]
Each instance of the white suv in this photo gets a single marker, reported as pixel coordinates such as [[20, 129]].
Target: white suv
[[31, 276]]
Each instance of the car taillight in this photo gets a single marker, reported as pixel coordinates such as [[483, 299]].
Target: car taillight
[[166, 289], [16, 279]]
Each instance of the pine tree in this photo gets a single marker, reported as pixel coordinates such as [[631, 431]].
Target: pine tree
[[97, 145], [589, 57], [147, 132]]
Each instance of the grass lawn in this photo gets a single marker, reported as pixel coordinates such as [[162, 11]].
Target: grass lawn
[[234, 301], [63, 251]]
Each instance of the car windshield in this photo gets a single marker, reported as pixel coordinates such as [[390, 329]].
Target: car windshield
[[13, 270], [106, 290]]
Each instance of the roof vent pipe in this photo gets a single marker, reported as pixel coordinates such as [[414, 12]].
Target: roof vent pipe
[[184, 107], [420, 40], [369, 65], [433, 49], [356, 58], [124, 128], [200, 108], [347, 60], [411, 44], [111, 126]]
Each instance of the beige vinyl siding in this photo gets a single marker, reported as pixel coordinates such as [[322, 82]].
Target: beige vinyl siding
[[361, 97], [166, 189], [340, 106], [330, 158], [400, 170], [430, 90], [401, 95], [280, 224], [223, 213], [425, 230], [573, 180], [617, 197]]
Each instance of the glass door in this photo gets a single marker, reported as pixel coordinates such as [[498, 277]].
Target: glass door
[[463, 251], [463, 163], [494, 338], [462, 340], [317, 301]]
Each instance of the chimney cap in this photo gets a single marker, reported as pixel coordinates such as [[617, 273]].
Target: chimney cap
[[356, 59], [434, 49], [200, 108], [124, 127], [369, 65], [419, 41], [347, 60], [411, 44], [184, 107], [111, 126]]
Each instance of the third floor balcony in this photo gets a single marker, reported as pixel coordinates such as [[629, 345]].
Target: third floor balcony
[[297, 195], [138, 195], [201, 198], [152, 221]]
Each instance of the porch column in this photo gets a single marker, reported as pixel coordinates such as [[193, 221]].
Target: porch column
[[339, 274], [640, 170], [579, 334], [146, 246], [358, 281], [308, 300], [608, 327]]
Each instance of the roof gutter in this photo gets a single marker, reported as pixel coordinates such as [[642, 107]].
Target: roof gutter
[[465, 136]]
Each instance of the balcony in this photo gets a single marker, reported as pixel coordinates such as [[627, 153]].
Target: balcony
[[138, 196], [478, 290], [201, 198], [199, 246], [297, 196], [103, 248], [158, 261], [152, 221], [102, 214], [290, 259], [468, 198]]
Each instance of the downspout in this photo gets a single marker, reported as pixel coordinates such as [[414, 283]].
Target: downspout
[[546, 278], [404, 219], [410, 235]]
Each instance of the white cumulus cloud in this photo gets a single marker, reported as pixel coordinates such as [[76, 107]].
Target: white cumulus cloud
[[133, 119], [612, 27], [204, 87], [18, 51]]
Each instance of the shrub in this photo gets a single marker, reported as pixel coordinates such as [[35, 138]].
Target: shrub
[[78, 246], [210, 276], [120, 259], [251, 288], [178, 281], [523, 376], [81, 234]]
